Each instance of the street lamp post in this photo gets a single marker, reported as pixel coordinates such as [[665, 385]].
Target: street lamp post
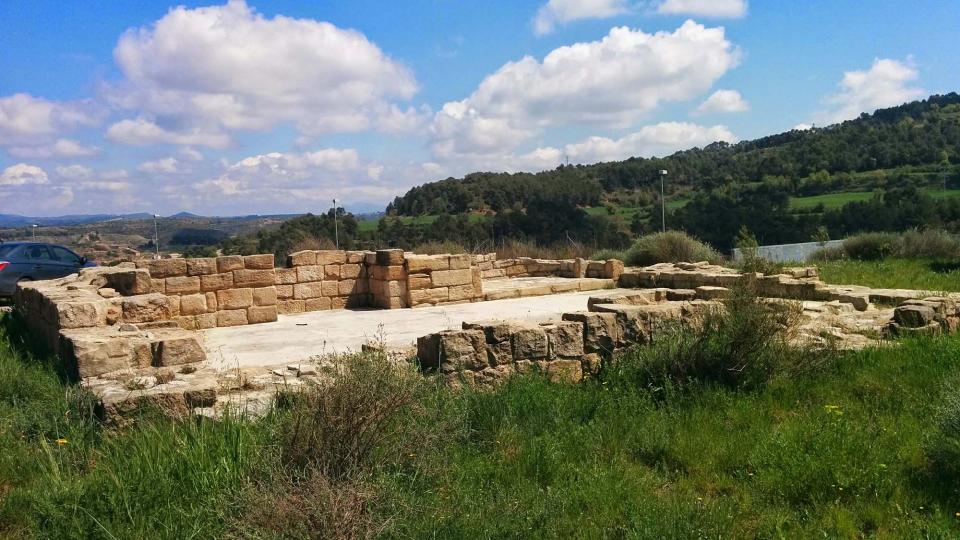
[[336, 232], [156, 236], [663, 205], [34, 229]]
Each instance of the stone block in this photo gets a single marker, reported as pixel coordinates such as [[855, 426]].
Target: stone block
[[602, 332], [710, 292], [130, 282], [174, 305], [229, 263], [146, 308], [346, 287], [262, 261], [565, 340], [284, 292], [211, 301], [234, 299], [216, 282], [391, 302], [416, 282], [202, 266], [565, 371], [339, 302], [291, 306], [329, 288], [461, 292], [164, 268], [253, 278], [317, 304], [302, 291], [914, 316], [538, 290], [158, 285], [309, 273], [351, 271], [389, 257], [445, 278], [355, 257], [265, 296], [612, 269], [331, 256], [83, 314], [331, 271], [182, 285], [427, 263], [501, 295], [193, 304], [529, 343], [286, 276], [302, 258], [429, 296], [680, 295], [387, 273], [177, 351], [231, 317], [95, 355], [460, 261], [261, 314]]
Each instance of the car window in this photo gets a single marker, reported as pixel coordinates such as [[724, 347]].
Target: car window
[[38, 253], [64, 255], [6, 250]]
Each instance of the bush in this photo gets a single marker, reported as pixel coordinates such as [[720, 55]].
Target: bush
[[742, 344], [931, 244], [751, 261], [871, 246], [825, 254], [670, 246], [438, 248], [606, 254]]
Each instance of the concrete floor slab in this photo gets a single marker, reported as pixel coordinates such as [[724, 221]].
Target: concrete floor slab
[[298, 337]]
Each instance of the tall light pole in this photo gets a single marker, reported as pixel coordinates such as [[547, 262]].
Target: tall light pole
[[336, 232], [34, 229], [663, 204], [156, 236]]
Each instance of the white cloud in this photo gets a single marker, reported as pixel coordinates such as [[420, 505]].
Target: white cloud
[[190, 154], [167, 165], [62, 148], [557, 12], [731, 9], [23, 174], [143, 132], [74, 172], [722, 101], [228, 67], [104, 185], [887, 83], [612, 82], [26, 120], [655, 140]]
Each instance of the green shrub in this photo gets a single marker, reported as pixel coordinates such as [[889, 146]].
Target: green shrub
[[605, 254], [751, 261], [871, 246], [825, 254], [930, 244], [944, 445], [670, 246]]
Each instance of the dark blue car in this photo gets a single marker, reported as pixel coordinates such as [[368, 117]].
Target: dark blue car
[[31, 261]]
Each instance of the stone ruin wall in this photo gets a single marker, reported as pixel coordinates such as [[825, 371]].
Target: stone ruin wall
[[493, 268]]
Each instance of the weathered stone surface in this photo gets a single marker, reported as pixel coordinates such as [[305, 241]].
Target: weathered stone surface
[[309, 273], [253, 278], [146, 308], [914, 316], [331, 256], [302, 258], [331, 271], [388, 273], [211, 301], [329, 288], [316, 304], [286, 276], [602, 332], [445, 278], [613, 269], [389, 257], [82, 314], [177, 351], [95, 354], [164, 268], [183, 285], [158, 285], [216, 282], [229, 263], [265, 296], [193, 304], [258, 262], [427, 263], [261, 314], [461, 292], [202, 266], [234, 299], [529, 343], [291, 306], [351, 271], [418, 281], [564, 371], [429, 296], [346, 286], [565, 340], [129, 282], [231, 317], [709, 292], [460, 261]]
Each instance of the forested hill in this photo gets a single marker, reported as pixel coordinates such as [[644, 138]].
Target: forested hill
[[920, 133]]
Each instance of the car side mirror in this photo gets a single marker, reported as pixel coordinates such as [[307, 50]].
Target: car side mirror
[[83, 260]]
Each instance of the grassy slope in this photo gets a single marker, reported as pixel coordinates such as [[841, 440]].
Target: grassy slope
[[893, 273], [837, 455], [836, 200]]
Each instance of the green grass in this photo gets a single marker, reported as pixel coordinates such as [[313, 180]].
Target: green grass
[[837, 454], [371, 224], [836, 200], [894, 274]]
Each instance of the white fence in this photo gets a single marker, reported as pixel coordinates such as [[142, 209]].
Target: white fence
[[789, 252]]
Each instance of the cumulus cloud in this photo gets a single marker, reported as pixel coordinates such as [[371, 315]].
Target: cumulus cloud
[[722, 101], [167, 165], [61, 148], [612, 82], [556, 12], [26, 120], [730, 9], [655, 140], [144, 132], [229, 68], [74, 172], [23, 174], [887, 83]]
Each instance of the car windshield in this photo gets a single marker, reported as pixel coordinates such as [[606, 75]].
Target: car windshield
[[5, 250]]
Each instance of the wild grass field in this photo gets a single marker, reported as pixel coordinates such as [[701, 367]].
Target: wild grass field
[[924, 274], [851, 447]]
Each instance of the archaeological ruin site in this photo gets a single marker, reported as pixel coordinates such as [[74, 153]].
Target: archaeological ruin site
[[206, 335]]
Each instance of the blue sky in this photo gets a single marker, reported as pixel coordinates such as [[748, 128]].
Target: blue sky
[[263, 107]]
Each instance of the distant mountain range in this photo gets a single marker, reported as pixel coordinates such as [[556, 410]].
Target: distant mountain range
[[14, 220]]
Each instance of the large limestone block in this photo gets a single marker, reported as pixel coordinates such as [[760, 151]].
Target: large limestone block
[[416, 282], [530, 343], [351, 271], [291, 306], [211, 301], [388, 273], [331, 256], [914, 316], [317, 304], [355, 257], [329, 288], [164, 268], [258, 262], [265, 296], [389, 257], [202, 266], [445, 278], [460, 261], [94, 353], [261, 314], [234, 299], [453, 350], [565, 340], [229, 263], [216, 282], [602, 332], [302, 291], [193, 304], [613, 269], [331, 271], [175, 351], [129, 282], [286, 276], [84, 314], [429, 296], [146, 308], [565, 371], [309, 273], [231, 317], [253, 278], [182, 285], [302, 258], [710, 292], [418, 264], [461, 292]]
